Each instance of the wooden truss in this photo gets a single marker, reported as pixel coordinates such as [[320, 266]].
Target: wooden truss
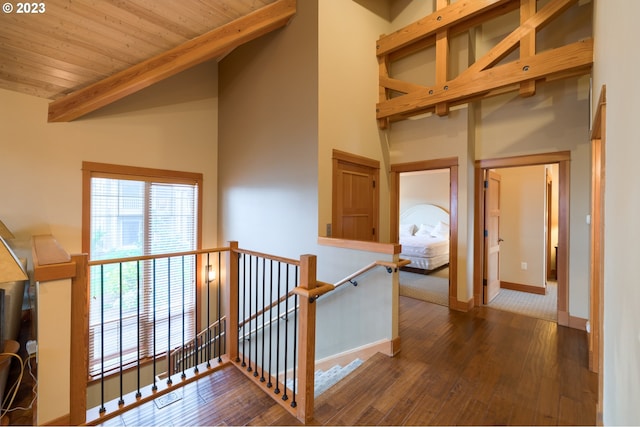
[[399, 100]]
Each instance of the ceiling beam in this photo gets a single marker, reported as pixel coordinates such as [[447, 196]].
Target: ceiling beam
[[485, 77], [572, 59], [214, 44]]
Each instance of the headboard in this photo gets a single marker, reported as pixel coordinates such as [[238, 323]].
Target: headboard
[[424, 214]]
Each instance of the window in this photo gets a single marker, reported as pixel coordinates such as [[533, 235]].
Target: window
[[134, 212]]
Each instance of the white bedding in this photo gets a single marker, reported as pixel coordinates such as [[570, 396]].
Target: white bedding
[[424, 246], [427, 264], [424, 236]]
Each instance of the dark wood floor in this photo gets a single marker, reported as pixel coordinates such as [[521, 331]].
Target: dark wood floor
[[486, 367]]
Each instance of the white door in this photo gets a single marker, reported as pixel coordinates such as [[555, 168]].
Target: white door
[[491, 236]]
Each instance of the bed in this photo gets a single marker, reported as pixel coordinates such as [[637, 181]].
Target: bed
[[424, 236]]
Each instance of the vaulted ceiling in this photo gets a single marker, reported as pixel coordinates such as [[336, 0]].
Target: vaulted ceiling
[[84, 54]]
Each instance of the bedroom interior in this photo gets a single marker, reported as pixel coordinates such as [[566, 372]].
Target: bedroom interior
[[531, 192], [424, 235]]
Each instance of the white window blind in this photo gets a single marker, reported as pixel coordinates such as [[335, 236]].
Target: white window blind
[[136, 216]]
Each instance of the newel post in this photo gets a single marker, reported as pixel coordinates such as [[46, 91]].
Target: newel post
[[306, 340], [79, 351], [232, 303]]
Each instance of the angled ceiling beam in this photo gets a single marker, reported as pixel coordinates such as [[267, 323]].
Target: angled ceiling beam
[[507, 45], [436, 22], [208, 46]]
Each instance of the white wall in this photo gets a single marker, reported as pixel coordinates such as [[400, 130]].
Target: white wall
[[424, 187], [522, 224], [617, 59], [172, 125], [269, 139]]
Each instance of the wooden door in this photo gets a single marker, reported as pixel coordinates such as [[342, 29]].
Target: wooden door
[[355, 201], [491, 236]]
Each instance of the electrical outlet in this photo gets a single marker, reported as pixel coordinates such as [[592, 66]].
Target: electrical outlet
[[523, 265], [32, 347]]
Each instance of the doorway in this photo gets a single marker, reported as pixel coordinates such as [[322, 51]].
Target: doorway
[[521, 234], [562, 159], [424, 203], [451, 165]]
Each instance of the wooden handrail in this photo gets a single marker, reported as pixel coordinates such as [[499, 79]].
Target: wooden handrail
[[267, 256], [156, 256], [324, 288], [388, 264], [313, 294]]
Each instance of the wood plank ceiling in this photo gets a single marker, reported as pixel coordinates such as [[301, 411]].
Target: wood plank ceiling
[[71, 46]]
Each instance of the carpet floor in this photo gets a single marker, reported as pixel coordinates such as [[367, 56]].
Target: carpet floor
[[533, 305], [434, 288]]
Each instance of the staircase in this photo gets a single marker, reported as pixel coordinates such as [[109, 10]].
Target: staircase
[[326, 379]]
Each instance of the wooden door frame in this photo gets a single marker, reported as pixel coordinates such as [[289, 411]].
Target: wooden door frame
[[563, 159], [450, 163], [549, 273], [596, 270]]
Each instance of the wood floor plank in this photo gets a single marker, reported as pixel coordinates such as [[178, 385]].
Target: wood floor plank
[[548, 402], [415, 374]]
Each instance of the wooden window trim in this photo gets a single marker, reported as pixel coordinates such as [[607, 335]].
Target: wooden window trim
[[94, 169]]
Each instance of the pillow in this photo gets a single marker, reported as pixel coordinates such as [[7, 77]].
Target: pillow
[[407, 229], [424, 230], [440, 230]]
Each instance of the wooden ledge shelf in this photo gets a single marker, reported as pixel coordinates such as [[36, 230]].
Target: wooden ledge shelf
[[360, 245], [50, 260]]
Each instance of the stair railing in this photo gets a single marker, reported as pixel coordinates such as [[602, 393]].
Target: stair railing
[[268, 331], [271, 336], [148, 281]]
